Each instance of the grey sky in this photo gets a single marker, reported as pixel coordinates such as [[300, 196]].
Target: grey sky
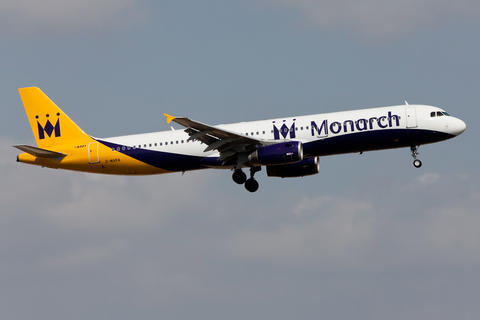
[[370, 237], [380, 19]]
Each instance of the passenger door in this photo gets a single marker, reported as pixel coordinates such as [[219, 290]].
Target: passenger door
[[411, 113]]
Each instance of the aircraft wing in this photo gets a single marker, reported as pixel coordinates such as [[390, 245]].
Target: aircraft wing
[[228, 143]]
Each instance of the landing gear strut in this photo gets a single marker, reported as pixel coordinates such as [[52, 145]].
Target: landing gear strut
[[240, 177], [252, 184], [416, 162]]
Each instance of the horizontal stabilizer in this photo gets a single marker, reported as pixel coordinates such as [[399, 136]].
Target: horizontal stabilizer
[[40, 153]]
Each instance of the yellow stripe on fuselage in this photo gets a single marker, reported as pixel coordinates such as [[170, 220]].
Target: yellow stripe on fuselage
[[92, 156]]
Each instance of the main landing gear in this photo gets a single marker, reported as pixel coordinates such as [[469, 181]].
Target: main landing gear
[[416, 162], [241, 178]]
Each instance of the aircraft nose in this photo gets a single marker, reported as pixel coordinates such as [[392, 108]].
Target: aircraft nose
[[460, 126]]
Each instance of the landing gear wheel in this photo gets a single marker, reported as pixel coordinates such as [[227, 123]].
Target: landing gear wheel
[[417, 163], [251, 185], [239, 176]]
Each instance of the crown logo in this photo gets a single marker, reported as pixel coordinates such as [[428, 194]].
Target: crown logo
[[48, 128]]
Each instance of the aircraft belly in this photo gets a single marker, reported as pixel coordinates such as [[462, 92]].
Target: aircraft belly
[[372, 140]]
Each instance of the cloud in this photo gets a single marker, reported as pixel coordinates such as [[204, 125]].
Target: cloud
[[343, 232], [428, 178], [63, 17], [380, 19], [342, 227], [83, 257]]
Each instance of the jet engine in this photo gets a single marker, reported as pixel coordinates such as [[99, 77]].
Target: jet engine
[[306, 167], [278, 153]]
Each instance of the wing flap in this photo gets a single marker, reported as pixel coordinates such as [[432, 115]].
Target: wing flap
[[218, 144], [211, 135], [229, 144]]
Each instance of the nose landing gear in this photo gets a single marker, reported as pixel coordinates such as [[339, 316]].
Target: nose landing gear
[[416, 162]]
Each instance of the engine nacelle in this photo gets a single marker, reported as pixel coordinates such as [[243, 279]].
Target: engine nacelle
[[305, 167], [278, 153]]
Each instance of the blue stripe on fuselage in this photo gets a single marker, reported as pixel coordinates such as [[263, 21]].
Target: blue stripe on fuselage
[[159, 159], [372, 140]]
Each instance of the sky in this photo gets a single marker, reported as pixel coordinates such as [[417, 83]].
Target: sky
[[369, 237]]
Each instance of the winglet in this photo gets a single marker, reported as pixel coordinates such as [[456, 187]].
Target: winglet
[[169, 117]]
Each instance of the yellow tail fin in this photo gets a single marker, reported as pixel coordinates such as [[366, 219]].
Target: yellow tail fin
[[50, 125]]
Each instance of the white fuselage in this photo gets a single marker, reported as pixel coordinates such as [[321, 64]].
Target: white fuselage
[[314, 128]]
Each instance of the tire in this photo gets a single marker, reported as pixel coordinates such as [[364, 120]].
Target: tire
[[239, 176], [251, 185], [417, 163]]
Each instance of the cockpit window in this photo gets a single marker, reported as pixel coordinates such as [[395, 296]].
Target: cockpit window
[[439, 114]]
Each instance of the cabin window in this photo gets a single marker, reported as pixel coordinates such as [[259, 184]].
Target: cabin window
[[166, 143], [246, 134], [182, 141], [171, 142], [263, 132], [257, 133], [160, 144], [177, 141]]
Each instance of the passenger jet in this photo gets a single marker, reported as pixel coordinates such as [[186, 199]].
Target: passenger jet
[[287, 147]]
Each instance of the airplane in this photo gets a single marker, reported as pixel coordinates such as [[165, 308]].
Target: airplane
[[287, 147]]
